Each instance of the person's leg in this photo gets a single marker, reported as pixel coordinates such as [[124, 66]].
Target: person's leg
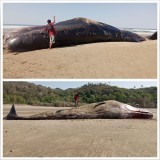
[[52, 40], [50, 45], [75, 103]]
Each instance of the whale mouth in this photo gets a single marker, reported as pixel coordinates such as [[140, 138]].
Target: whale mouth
[[138, 112]]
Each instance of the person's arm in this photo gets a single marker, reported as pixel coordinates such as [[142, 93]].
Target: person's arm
[[43, 30], [54, 19]]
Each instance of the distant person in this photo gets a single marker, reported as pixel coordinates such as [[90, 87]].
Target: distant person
[[76, 99], [51, 31]]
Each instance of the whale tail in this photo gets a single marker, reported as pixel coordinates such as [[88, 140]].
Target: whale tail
[[13, 110], [12, 113]]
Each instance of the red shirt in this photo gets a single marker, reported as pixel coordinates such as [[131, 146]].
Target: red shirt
[[76, 97], [50, 29]]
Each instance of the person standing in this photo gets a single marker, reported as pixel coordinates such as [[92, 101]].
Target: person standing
[[51, 31], [76, 99]]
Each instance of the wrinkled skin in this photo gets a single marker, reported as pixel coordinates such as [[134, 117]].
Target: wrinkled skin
[[71, 32], [104, 110]]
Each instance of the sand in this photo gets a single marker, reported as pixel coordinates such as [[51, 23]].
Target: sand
[[96, 60], [78, 138]]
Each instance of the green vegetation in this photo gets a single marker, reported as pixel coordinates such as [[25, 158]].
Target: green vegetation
[[29, 93]]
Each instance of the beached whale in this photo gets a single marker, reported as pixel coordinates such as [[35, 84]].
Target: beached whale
[[71, 32], [104, 110]]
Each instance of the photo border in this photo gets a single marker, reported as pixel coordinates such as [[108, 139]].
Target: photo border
[[92, 80]]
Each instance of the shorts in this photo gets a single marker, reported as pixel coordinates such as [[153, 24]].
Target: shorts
[[52, 39]]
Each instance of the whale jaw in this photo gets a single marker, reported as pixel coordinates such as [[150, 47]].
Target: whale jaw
[[138, 113]]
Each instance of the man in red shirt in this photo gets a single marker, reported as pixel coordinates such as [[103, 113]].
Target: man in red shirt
[[76, 98], [51, 31]]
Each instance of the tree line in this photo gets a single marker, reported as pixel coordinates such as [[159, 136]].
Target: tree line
[[32, 94]]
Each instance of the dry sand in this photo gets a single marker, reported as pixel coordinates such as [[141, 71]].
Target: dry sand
[[96, 60], [78, 138]]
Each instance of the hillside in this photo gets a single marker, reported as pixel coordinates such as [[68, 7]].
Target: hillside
[[29, 93]]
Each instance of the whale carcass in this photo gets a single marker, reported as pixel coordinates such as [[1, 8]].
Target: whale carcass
[[70, 32], [104, 110]]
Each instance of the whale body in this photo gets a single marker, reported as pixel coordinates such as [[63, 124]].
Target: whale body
[[110, 109], [70, 32]]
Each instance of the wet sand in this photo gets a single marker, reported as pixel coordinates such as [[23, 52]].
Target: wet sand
[[96, 60], [78, 138]]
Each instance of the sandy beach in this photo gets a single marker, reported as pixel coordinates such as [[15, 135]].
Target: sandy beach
[[96, 60], [78, 138]]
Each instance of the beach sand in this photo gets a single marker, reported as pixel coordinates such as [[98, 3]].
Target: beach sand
[[96, 60], [78, 138]]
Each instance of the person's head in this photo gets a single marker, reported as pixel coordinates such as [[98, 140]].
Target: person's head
[[48, 21]]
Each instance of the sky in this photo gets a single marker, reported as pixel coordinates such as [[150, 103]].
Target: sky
[[76, 84], [122, 15]]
